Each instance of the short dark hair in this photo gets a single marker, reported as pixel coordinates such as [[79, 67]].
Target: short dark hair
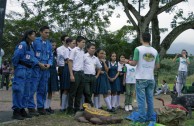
[[89, 45], [43, 28], [69, 40], [79, 39], [146, 37], [63, 37]]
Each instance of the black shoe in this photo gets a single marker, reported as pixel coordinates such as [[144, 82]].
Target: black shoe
[[33, 112], [42, 111], [63, 110], [25, 114], [17, 115], [49, 110], [70, 111]]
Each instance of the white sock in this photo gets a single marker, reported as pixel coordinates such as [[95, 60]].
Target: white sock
[[66, 102], [96, 102], [64, 97], [45, 104], [108, 104], [118, 101], [114, 100], [110, 97], [99, 105], [48, 103]]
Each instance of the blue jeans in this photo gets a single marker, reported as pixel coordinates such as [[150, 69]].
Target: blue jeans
[[144, 92]]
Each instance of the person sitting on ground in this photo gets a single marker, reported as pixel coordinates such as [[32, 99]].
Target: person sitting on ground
[[164, 88]]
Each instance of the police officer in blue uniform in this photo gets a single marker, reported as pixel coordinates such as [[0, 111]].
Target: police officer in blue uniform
[[23, 60], [43, 52]]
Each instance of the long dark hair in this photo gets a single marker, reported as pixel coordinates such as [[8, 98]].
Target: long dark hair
[[28, 32]]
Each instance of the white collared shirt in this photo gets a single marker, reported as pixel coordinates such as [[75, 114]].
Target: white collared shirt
[[90, 64], [61, 55], [67, 53], [77, 56]]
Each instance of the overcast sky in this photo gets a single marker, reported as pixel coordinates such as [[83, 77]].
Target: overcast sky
[[186, 37]]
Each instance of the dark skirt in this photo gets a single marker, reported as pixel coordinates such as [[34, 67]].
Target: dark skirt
[[53, 80], [66, 78], [102, 85], [115, 86], [122, 88]]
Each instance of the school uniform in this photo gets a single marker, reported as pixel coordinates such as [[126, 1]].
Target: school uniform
[[121, 76], [61, 64], [66, 79], [76, 88], [91, 63], [53, 79], [102, 85], [113, 70]]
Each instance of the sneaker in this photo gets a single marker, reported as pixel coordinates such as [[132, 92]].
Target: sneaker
[[42, 111], [130, 107], [17, 115], [165, 93], [33, 112], [127, 108], [25, 114]]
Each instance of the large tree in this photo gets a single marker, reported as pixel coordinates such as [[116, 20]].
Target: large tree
[[75, 16]]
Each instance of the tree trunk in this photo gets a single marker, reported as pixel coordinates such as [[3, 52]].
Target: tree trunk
[[168, 40], [155, 34]]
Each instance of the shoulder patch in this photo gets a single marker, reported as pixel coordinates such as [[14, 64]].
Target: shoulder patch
[[20, 47]]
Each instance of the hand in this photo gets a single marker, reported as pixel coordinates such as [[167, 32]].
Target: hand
[[102, 60], [126, 61], [47, 66], [42, 66], [96, 77], [72, 78], [101, 72]]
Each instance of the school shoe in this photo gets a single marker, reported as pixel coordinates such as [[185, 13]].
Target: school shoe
[[17, 115], [33, 112], [42, 111], [127, 108], [25, 114], [49, 110], [130, 107]]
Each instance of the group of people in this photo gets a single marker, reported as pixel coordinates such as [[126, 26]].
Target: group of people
[[83, 76]]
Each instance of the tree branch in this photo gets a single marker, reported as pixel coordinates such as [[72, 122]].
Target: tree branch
[[168, 40], [129, 15], [153, 10], [130, 7], [168, 5]]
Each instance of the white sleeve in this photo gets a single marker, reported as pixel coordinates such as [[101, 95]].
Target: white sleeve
[[98, 64], [119, 67], [72, 54], [66, 54]]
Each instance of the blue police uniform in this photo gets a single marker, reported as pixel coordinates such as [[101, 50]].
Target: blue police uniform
[[23, 61], [43, 52]]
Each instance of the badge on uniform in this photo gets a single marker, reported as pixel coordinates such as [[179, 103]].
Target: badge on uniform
[[37, 54], [27, 56], [20, 46]]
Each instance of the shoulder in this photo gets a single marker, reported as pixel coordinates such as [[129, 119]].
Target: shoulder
[[22, 45]]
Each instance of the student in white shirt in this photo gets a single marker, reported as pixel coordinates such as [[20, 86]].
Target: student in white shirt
[[129, 82], [92, 68], [76, 67], [66, 76]]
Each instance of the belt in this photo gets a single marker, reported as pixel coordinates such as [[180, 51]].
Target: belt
[[25, 64], [89, 75], [80, 71]]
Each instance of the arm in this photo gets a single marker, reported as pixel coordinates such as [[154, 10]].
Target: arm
[[175, 58], [98, 73], [105, 67], [70, 65], [18, 54], [135, 58]]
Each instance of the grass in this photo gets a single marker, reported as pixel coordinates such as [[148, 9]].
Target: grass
[[61, 119]]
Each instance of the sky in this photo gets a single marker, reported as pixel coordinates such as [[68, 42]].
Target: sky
[[184, 40]]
